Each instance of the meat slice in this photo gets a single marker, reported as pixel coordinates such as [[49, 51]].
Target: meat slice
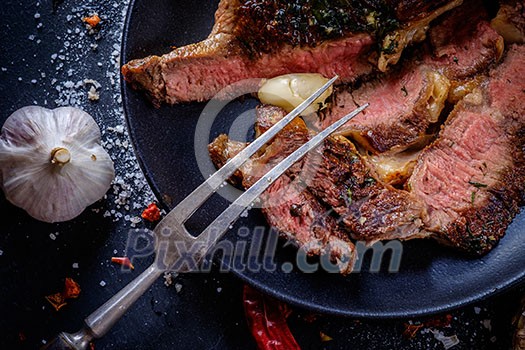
[[404, 104], [301, 218], [263, 39], [287, 204], [472, 179], [333, 176], [371, 210]]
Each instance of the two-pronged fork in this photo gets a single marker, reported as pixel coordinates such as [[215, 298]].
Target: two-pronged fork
[[172, 238]]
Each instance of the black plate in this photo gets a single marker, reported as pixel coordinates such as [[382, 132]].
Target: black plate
[[431, 278]]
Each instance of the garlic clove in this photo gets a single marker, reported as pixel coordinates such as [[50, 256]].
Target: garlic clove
[[52, 163], [290, 90]]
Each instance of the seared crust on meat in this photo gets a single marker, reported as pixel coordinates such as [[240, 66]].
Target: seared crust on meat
[[256, 39], [405, 103]]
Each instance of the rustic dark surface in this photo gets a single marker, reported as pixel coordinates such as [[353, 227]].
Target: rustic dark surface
[[207, 311]]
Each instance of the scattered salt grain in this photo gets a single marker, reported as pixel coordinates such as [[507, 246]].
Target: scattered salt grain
[[1, 252], [447, 341], [37, 15], [52, 236], [178, 287], [93, 94], [75, 265], [219, 290], [168, 279], [102, 283], [477, 310]]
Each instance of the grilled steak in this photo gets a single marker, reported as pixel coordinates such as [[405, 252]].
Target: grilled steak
[[263, 39], [404, 104], [288, 205], [334, 176], [472, 179], [370, 209]]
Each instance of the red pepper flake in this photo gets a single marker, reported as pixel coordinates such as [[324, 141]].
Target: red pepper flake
[[21, 336], [124, 261], [93, 20], [266, 319], [411, 330], [56, 300], [91, 346], [310, 318], [71, 289], [151, 213], [325, 337]]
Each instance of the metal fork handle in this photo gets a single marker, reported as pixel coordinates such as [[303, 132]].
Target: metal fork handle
[[101, 320]]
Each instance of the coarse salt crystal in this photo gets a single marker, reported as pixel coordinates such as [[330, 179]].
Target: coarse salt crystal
[[75, 265], [102, 283]]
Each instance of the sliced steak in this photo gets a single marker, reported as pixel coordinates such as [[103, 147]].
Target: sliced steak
[[463, 42], [263, 39], [288, 205], [405, 103], [472, 179], [371, 210], [337, 176], [301, 218]]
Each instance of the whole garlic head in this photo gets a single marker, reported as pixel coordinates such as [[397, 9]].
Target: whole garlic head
[[52, 163]]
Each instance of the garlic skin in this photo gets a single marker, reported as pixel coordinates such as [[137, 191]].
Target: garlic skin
[[290, 90], [52, 163]]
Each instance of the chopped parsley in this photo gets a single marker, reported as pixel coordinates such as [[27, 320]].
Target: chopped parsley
[[477, 184]]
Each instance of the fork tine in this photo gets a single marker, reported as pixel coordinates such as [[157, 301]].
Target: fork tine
[[195, 199], [216, 229]]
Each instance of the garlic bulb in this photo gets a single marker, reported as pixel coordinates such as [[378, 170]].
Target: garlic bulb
[[290, 90], [52, 163]]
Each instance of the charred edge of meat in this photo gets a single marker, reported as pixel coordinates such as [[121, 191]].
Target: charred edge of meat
[[309, 22], [370, 209], [146, 74]]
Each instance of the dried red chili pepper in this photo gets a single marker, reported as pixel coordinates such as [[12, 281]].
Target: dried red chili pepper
[[71, 289], [56, 300], [93, 21], [151, 213], [124, 261], [411, 330], [267, 321]]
